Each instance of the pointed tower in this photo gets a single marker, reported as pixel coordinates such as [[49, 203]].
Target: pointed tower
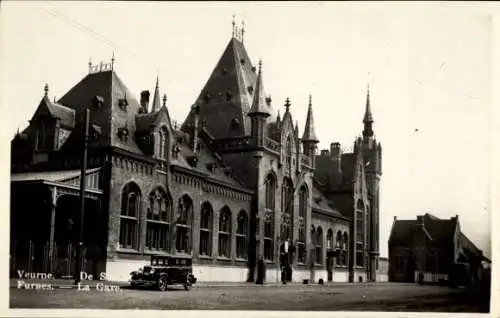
[[368, 118], [309, 139], [156, 98], [372, 159], [258, 113], [229, 93]]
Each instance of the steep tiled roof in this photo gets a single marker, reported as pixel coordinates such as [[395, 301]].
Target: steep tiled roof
[[65, 114], [110, 117], [401, 232], [205, 157], [320, 202], [226, 97], [348, 162]]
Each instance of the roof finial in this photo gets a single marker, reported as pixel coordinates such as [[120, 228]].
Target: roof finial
[[46, 89], [157, 85], [54, 99], [287, 104], [310, 100], [90, 64], [242, 29], [112, 60], [164, 100], [260, 66], [234, 25]]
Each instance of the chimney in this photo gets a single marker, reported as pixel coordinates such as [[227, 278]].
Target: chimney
[[145, 100], [335, 151], [420, 220]]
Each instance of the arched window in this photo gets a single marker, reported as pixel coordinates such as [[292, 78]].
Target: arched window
[[242, 236], [338, 246], [183, 224], [158, 221], [329, 239], [319, 245], [162, 143], [270, 184], [268, 235], [129, 218], [301, 242], [225, 232], [206, 229]]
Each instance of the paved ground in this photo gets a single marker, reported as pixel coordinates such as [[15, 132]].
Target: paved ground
[[244, 296]]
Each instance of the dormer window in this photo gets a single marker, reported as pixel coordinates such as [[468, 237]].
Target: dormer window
[[123, 103], [97, 101], [45, 136], [162, 144]]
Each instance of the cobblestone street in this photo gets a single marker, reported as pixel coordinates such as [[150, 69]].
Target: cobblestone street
[[336, 297]]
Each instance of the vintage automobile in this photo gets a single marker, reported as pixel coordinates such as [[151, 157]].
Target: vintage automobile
[[164, 271]]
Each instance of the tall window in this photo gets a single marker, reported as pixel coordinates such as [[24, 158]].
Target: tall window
[[242, 236], [129, 218], [206, 229], [270, 184], [268, 236], [301, 242], [225, 232], [288, 152], [45, 136], [360, 233], [286, 209], [345, 247], [183, 225], [158, 221], [329, 239], [338, 246], [319, 245], [162, 143]]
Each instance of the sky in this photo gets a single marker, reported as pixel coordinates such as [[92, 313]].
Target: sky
[[428, 67]]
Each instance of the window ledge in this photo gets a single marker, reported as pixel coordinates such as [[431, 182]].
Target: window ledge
[[269, 261], [223, 258], [127, 250], [155, 252], [241, 260], [177, 253], [205, 256]]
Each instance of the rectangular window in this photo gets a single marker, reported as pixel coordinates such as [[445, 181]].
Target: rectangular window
[[359, 259], [157, 236], [205, 242], [241, 246], [301, 252], [319, 255], [128, 232], [224, 244], [182, 241]]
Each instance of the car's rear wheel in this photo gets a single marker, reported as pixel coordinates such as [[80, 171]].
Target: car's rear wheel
[[162, 283]]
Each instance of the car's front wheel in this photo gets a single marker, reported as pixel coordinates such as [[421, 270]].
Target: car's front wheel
[[162, 283]]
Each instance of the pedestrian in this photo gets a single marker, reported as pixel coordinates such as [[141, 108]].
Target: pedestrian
[[261, 271]]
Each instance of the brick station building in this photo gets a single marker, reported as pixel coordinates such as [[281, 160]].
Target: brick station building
[[232, 183]]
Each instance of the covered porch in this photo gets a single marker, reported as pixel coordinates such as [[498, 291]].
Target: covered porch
[[45, 219]]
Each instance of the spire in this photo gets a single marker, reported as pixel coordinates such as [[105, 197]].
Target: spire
[[242, 29], [156, 98], [278, 118], [368, 118], [309, 132], [46, 89], [368, 113], [258, 104], [234, 26], [113, 60], [296, 130]]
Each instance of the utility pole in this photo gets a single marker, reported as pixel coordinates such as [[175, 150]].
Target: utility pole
[[78, 260]]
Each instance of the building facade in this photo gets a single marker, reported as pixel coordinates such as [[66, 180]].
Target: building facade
[[433, 250], [234, 182]]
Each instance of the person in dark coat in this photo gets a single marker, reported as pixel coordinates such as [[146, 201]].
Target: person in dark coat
[[261, 271]]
